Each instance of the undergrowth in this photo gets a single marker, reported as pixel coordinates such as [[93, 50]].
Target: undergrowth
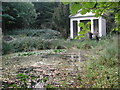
[[99, 72], [102, 72]]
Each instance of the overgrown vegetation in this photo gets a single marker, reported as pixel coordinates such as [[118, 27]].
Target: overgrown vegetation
[[30, 40], [102, 71], [101, 68]]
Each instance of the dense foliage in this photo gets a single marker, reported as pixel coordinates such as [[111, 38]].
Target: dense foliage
[[29, 40], [40, 15], [45, 13], [18, 15], [61, 19]]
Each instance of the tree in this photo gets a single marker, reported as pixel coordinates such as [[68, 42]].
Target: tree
[[98, 8], [61, 19], [45, 12], [18, 15]]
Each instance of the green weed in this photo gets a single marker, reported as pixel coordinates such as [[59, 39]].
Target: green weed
[[102, 72]]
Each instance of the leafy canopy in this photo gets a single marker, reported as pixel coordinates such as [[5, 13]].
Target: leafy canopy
[[98, 8]]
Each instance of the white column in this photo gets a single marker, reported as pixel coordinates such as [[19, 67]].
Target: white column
[[78, 21], [103, 27], [92, 26], [71, 28], [100, 26]]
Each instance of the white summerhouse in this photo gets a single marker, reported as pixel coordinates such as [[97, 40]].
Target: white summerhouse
[[97, 23]]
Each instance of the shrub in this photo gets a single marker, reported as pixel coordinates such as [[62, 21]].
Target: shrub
[[109, 55], [27, 44], [7, 48], [42, 33], [33, 43]]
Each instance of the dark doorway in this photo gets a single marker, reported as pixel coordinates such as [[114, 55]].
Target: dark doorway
[[75, 29], [85, 22], [96, 26]]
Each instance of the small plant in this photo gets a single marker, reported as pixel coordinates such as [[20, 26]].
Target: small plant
[[58, 50], [49, 86], [44, 79], [26, 54], [23, 80], [7, 48]]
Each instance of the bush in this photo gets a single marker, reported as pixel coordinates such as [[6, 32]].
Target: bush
[[27, 44], [42, 33], [7, 48], [33, 39], [32, 43]]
